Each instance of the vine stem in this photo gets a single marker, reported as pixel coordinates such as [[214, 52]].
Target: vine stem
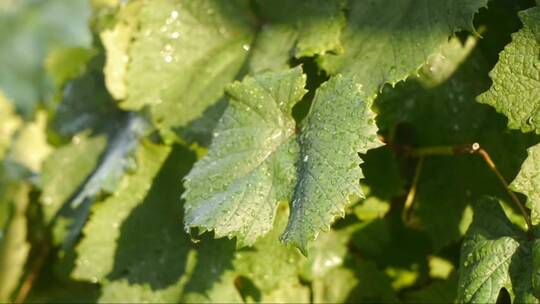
[[483, 153], [475, 149], [34, 271]]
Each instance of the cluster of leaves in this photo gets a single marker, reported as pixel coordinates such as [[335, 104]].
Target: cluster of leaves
[[269, 151]]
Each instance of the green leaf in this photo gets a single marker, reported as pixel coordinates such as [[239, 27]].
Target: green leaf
[[250, 164], [77, 160], [528, 182], [94, 166], [339, 126], [492, 256], [29, 31], [386, 41], [515, 77], [439, 109], [86, 105], [134, 264], [536, 268], [14, 247], [271, 50], [355, 282], [29, 147], [180, 58], [317, 23], [9, 123], [261, 273], [437, 292], [116, 41], [257, 131], [112, 213], [67, 63]]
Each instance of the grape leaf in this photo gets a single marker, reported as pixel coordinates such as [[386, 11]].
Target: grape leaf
[[116, 41], [64, 64], [271, 50], [112, 212], [77, 161], [95, 166], [29, 31], [257, 131], [135, 264], [437, 292], [29, 147], [514, 92], [386, 41], [86, 104], [354, 282], [317, 23], [180, 57], [9, 123], [160, 46], [528, 182], [250, 164], [14, 247], [261, 272], [446, 103], [495, 254], [339, 126]]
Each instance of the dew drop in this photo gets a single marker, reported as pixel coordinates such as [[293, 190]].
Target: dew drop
[[246, 47]]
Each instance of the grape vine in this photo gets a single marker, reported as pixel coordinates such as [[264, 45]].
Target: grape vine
[[240, 151]]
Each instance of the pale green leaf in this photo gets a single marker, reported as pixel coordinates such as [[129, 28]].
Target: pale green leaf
[[180, 58], [528, 182], [14, 248], [67, 63], [386, 41], [29, 147], [516, 80], [116, 41], [29, 30], [9, 123], [271, 50]]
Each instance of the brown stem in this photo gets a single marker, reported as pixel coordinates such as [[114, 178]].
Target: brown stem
[[483, 153], [33, 273]]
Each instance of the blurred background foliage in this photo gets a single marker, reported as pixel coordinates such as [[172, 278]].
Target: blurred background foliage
[[66, 146]]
